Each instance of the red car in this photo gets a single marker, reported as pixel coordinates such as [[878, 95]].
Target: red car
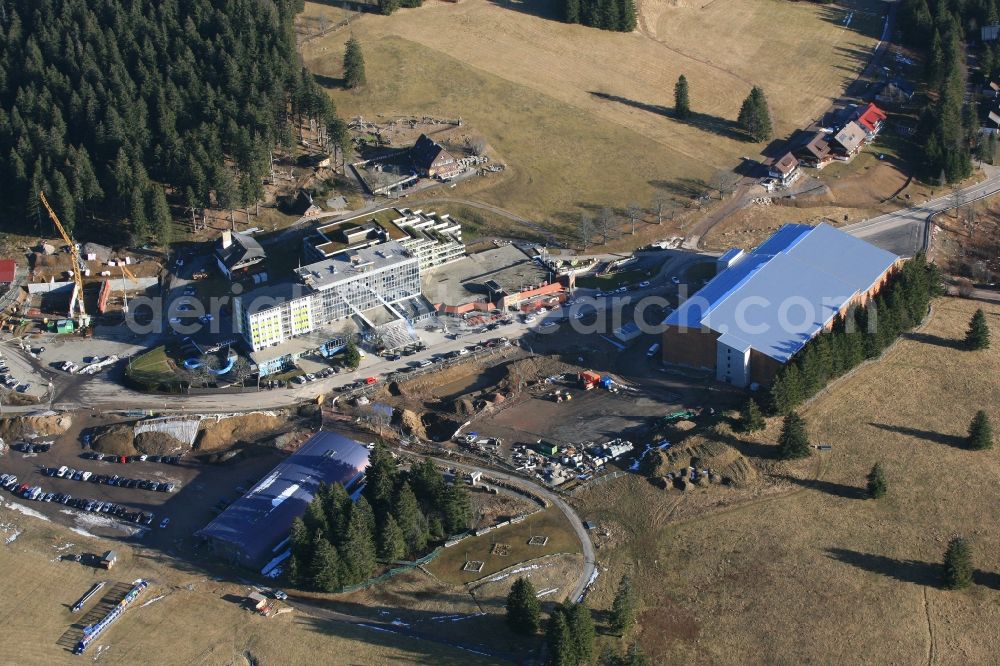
[[370, 380]]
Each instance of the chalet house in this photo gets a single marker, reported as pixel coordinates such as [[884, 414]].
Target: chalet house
[[870, 119], [848, 141], [815, 152], [432, 160], [236, 253], [785, 169], [896, 92]]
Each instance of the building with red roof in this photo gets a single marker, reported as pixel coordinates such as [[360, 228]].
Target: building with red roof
[[871, 119]]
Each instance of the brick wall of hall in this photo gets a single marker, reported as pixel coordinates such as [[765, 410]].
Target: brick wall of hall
[[689, 346]]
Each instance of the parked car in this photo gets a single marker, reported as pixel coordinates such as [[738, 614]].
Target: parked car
[[164, 522]]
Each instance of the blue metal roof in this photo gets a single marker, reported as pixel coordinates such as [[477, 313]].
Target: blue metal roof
[[729, 255], [784, 292], [252, 525]]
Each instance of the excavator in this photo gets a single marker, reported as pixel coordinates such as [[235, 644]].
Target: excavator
[[83, 320]]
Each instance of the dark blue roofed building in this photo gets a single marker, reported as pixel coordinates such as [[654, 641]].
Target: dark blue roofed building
[[763, 307], [250, 530]]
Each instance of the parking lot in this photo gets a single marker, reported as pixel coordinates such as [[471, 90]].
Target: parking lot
[[130, 499]]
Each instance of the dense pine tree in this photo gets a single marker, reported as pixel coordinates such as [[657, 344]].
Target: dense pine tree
[[457, 508], [682, 104], [957, 569], [618, 15], [522, 608], [354, 64], [978, 335], [864, 333], [755, 116], [558, 635], [980, 432], [101, 100], [411, 521], [358, 532], [391, 544], [793, 441], [751, 418], [877, 484], [581, 626], [325, 567], [359, 545], [623, 607]]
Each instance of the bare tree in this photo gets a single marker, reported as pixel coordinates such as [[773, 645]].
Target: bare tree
[[634, 213], [586, 230], [659, 207], [476, 144], [606, 222], [725, 182]]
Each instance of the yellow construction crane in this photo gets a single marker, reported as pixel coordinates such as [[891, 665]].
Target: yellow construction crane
[[126, 272], [78, 267]]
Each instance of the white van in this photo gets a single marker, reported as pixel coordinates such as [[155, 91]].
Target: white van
[[653, 348]]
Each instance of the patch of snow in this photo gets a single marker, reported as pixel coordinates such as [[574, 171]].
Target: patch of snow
[[399, 623], [530, 567], [82, 532], [25, 510], [12, 537]]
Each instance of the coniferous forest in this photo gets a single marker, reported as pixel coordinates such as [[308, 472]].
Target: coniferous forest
[[112, 106], [618, 15]]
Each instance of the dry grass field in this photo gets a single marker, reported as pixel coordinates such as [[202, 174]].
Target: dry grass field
[[582, 116], [816, 573], [551, 523], [191, 617]]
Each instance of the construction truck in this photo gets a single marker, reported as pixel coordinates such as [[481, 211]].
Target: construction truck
[[589, 379]]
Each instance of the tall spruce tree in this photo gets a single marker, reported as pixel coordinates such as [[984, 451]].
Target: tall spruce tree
[[159, 215], [354, 60], [358, 551], [571, 11], [682, 104], [978, 335], [957, 569], [751, 418], [325, 568], [877, 484], [411, 521], [980, 432], [562, 649], [623, 607], [457, 508], [793, 441], [755, 116], [391, 544], [523, 608], [380, 480], [581, 626]]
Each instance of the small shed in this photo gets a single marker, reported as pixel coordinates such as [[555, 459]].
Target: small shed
[[108, 560], [257, 601]]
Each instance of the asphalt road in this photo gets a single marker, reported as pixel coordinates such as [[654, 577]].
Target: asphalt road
[[903, 232]]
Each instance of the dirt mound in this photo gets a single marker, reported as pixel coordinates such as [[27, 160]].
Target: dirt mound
[[158, 443], [528, 371], [412, 424], [703, 452], [32, 426], [226, 432], [117, 440]]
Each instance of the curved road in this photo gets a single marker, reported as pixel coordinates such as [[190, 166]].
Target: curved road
[[589, 557]]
